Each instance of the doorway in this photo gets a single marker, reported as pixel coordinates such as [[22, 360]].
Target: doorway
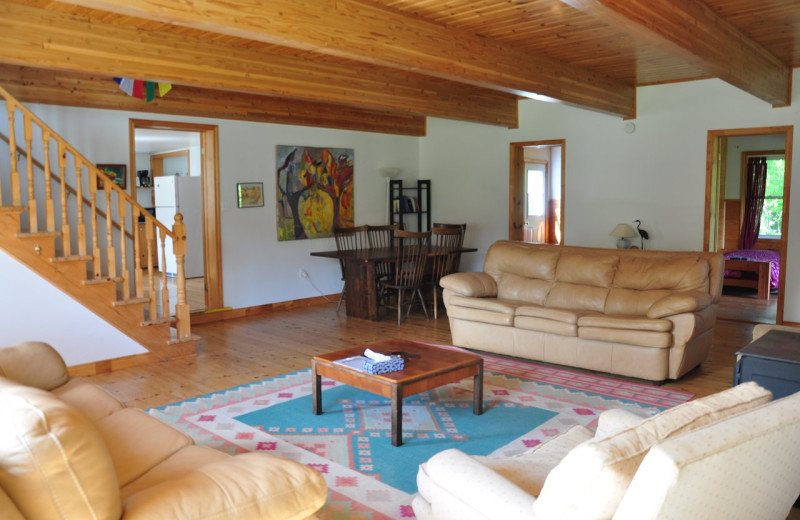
[[204, 293], [536, 191], [727, 155]]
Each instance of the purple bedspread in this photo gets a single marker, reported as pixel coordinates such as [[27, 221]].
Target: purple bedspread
[[758, 255]]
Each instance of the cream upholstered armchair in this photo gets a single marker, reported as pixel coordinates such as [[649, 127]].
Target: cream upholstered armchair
[[731, 455], [69, 450]]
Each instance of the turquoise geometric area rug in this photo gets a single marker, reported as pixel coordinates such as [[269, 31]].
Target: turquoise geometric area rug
[[525, 404]]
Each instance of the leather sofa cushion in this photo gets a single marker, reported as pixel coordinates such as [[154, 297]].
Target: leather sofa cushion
[[250, 486], [138, 441], [639, 338], [53, 461], [674, 274], [565, 315], [633, 301], [184, 460], [546, 325], [592, 479], [593, 270], [515, 287], [33, 363], [520, 259], [576, 297], [480, 315], [7, 507], [625, 323], [89, 398]]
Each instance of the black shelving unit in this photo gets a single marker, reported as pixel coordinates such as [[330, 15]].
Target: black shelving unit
[[406, 202]]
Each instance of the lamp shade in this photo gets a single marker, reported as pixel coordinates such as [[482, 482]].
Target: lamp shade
[[623, 231], [390, 172]]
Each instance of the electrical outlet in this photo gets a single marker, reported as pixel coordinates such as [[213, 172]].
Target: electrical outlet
[[303, 273]]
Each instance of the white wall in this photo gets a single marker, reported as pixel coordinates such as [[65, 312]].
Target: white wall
[[256, 268], [34, 310], [656, 174]]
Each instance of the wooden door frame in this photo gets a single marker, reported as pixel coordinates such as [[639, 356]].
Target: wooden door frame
[[516, 185], [712, 180], [212, 237]]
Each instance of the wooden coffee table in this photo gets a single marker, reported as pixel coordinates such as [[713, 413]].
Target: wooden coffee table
[[426, 368]]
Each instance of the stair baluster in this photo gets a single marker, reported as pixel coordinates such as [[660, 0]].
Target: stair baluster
[[70, 173]]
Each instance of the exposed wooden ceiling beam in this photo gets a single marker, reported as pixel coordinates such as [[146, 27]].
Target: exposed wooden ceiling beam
[[94, 91], [368, 32], [692, 29], [31, 36]]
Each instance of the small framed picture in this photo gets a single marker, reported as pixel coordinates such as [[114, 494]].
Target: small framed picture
[[250, 194], [117, 172]]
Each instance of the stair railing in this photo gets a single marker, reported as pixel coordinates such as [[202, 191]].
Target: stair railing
[[109, 229]]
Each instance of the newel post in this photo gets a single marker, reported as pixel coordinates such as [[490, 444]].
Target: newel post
[[181, 307]]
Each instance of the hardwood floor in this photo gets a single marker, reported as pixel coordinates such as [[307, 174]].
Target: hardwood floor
[[248, 349], [195, 292], [244, 350]]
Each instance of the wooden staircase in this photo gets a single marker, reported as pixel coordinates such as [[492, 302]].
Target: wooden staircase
[[70, 223]]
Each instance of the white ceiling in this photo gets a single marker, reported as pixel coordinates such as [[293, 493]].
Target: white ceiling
[[158, 141]]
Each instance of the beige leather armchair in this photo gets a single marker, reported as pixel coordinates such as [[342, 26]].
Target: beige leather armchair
[[69, 450]]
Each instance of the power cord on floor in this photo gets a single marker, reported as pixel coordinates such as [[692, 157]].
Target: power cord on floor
[[310, 281]]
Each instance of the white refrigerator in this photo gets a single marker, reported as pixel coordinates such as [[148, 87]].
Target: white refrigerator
[[174, 194]]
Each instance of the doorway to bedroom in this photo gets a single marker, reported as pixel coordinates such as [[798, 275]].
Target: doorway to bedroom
[[746, 218]]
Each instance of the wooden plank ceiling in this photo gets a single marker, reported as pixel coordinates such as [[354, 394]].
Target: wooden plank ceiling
[[385, 65]]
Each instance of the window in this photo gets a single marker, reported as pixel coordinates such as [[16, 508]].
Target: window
[[772, 213], [535, 201]]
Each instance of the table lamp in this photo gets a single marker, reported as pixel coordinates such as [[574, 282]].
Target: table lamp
[[623, 232]]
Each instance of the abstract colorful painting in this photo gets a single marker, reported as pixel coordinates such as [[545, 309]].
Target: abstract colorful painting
[[314, 189]]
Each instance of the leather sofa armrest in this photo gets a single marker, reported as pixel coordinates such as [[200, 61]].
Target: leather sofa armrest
[[33, 363], [8, 510], [470, 482], [678, 303], [251, 485], [478, 285]]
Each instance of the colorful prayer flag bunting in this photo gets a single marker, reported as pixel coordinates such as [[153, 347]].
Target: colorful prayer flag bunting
[[143, 89]]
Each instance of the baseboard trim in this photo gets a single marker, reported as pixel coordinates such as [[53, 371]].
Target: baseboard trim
[[243, 312], [110, 365]]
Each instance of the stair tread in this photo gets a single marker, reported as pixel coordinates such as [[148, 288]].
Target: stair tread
[[159, 321], [12, 209], [71, 258], [130, 301], [39, 234], [176, 340], [102, 280]]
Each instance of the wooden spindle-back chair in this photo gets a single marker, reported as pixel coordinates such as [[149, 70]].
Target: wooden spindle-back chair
[[409, 268]]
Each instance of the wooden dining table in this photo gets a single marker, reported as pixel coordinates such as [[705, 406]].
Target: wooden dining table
[[361, 297]]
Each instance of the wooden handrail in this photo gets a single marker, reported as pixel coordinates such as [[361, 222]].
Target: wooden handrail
[[54, 178], [109, 247], [69, 148]]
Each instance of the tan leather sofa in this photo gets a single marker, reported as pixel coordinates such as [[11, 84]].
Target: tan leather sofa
[[69, 450], [731, 455], [643, 314]]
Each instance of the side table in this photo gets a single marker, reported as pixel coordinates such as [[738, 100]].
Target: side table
[[772, 361]]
